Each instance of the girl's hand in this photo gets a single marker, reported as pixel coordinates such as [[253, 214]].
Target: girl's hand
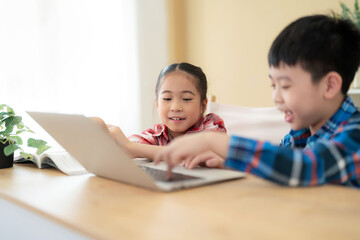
[[207, 158], [116, 133], [99, 122], [121, 139]]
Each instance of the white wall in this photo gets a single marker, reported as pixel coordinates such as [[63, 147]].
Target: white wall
[[152, 40]]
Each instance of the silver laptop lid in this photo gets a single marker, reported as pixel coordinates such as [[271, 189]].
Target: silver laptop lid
[[90, 145], [95, 149]]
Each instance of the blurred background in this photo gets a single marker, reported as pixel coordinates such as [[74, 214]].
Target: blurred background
[[102, 58]]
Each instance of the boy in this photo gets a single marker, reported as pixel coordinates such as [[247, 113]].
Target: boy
[[312, 64]]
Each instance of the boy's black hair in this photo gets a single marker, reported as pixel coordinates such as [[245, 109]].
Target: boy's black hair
[[320, 44], [201, 83]]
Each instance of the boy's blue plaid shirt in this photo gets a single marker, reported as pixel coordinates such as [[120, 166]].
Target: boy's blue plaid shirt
[[331, 155]]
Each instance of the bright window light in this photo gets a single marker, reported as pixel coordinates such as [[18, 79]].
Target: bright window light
[[71, 56]]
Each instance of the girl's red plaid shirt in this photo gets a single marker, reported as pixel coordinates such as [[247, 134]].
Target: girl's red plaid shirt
[[158, 135]]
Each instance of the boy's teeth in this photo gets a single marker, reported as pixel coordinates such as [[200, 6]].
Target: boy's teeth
[[289, 116]]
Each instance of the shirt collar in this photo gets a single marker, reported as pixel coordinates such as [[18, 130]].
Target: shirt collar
[[345, 111], [162, 129], [303, 136], [198, 126]]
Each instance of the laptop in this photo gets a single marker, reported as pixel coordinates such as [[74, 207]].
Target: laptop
[[99, 154]]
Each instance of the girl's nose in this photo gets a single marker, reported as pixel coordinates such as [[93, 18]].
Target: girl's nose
[[176, 106]]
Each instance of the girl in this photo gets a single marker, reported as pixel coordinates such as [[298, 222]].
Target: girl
[[180, 102]]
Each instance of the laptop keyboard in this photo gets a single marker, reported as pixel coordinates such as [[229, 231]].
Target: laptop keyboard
[[162, 175]]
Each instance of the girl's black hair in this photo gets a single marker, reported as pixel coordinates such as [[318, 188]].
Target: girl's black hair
[[201, 83]]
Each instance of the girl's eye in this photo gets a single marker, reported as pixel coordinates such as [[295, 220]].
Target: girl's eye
[[272, 86], [187, 99], [285, 87], [166, 99]]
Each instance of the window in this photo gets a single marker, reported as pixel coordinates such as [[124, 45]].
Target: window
[[72, 56]]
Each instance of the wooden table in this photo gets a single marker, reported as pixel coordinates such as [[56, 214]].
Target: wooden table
[[249, 208]]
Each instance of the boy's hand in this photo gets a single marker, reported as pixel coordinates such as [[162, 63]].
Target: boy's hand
[[207, 158], [187, 148]]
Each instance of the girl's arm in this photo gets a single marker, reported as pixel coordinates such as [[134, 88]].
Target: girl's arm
[[143, 150], [132, 148]]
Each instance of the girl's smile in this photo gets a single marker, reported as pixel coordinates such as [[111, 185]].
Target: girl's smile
[[177, 119], [178, 104]]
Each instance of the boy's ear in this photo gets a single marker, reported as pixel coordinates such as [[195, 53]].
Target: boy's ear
[[333, 83]]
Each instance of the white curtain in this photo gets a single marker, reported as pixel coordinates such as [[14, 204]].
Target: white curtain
[[72, 56]]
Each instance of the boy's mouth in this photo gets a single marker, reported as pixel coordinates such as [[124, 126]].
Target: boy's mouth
[[288, 116]]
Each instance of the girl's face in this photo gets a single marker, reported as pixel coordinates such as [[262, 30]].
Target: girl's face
[[178, 103]]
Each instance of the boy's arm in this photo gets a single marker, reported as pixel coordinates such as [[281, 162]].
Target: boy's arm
[[333, 161]]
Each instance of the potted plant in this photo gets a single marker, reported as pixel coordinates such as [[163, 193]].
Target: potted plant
[[11, 129], [354, 16]]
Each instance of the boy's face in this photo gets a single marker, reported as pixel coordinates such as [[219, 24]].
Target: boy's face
[[298, 97]]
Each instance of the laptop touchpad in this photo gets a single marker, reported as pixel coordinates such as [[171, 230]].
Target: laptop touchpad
[[162, 175]]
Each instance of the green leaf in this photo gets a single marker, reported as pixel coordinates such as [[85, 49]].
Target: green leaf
[[357, 13], [28, 129], [40, 145], [10, 149], [36, 143], [9, 109], [20, 131], [3, 115], [353, 16], [345, 11], [8, 130], [42, 149], [20, 125], [16, 139], [12, 121], [17, 120], [26, 155]]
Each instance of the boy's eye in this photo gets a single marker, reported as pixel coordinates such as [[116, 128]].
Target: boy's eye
[[187, 99], [166, 99], [272, 86], [285, 87]]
